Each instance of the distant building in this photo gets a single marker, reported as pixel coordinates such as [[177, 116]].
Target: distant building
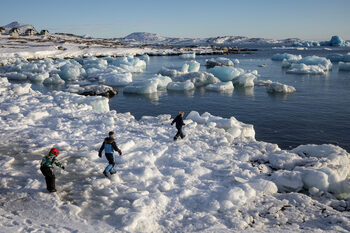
[[14, 32], [44, 32], [2, 30], [30, 32]]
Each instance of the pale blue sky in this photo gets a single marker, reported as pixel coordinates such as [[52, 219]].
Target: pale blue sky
[[275, 19]]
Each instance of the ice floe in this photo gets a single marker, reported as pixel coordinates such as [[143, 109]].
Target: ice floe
[[276, 87]]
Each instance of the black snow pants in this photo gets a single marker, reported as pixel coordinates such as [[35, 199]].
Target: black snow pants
[[49, 178], [179, 133]]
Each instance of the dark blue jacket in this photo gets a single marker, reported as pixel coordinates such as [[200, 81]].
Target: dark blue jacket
[[179, 122], [109, 146]]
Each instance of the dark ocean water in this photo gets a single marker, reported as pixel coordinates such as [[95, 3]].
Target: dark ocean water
[[318, 112]]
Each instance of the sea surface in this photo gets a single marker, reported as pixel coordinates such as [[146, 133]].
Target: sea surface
[[317, 113]]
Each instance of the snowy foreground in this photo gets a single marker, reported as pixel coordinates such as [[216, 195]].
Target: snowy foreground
[[218, 179]]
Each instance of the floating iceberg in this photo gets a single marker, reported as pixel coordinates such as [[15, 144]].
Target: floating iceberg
[[306, 44], [116, 78], [308, 65], [142, 87], [276, 87], [181, 86], [145, 58], [221, 87], [305, 69], [245, 80], [188, 55], [220, 61], [287, 56], [336, 41], [198, 78], [131, 64], [262, 82], [162, 81], [322, 62], [226, 73], [192, 66]]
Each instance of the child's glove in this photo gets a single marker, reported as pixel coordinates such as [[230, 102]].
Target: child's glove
[[99, 155]]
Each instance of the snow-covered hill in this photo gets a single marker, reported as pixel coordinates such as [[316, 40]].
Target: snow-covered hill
[[156, 39], [21, 27]]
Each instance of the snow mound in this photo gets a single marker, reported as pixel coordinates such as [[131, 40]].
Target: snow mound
[[235, 128]]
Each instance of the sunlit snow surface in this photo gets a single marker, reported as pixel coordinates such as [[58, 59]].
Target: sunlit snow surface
[[218, 179]]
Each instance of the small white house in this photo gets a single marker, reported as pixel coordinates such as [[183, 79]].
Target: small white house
[[44, 32], [30, 32], [14, 32]]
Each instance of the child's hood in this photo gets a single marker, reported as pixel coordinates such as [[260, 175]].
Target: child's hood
[[109, 140]]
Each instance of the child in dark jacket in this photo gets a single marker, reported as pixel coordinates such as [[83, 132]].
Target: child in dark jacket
[[109, 146], [179, 123], [46, 167]]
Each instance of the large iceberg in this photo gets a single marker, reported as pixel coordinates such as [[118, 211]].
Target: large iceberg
[[226, 73], [308, 65], [336, 41]]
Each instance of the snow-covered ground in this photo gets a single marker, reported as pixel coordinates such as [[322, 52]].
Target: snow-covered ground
[[218, 179]]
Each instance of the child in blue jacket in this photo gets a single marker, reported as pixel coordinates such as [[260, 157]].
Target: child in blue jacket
[[109, 146]]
